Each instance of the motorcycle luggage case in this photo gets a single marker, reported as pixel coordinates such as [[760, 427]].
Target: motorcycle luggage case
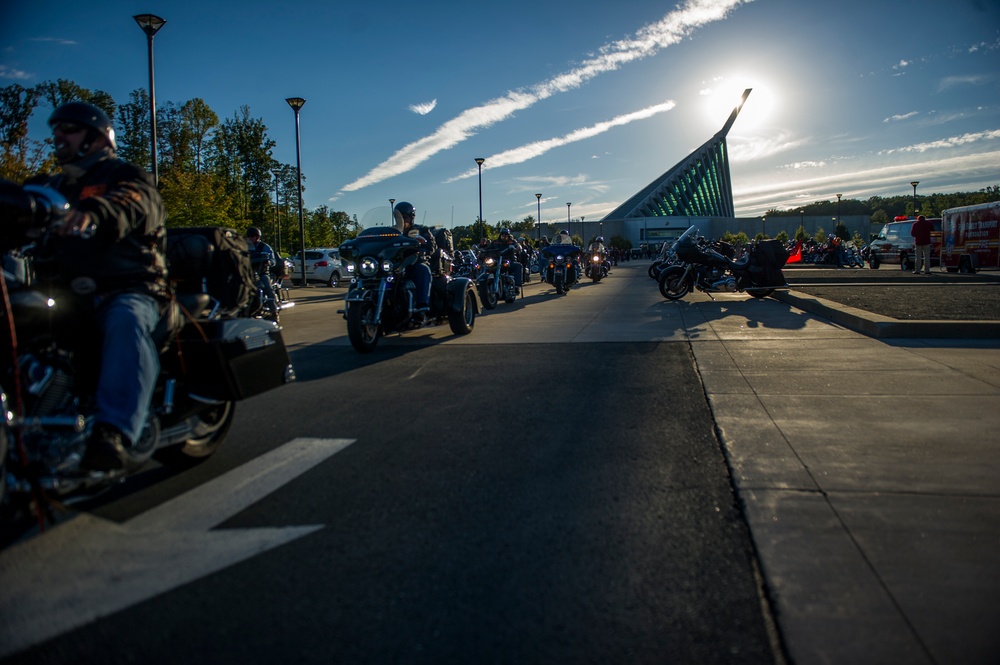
[[232, 359]]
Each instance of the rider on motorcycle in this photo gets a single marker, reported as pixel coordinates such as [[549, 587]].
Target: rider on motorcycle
[[111, 249], [504, 242], [404, 214], [262, 260], [562, 242]]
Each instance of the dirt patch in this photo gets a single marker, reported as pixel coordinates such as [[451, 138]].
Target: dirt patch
[[904, 296]]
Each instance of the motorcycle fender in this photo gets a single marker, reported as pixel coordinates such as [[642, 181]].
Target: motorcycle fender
[[457, 288]]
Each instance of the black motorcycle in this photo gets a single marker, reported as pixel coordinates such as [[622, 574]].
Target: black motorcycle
[[563, 267], [711, 268], [496, 281], [380, 299], [597, 267], [208, 361]]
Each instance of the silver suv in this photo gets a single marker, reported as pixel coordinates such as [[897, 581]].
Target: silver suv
[[322, 265]]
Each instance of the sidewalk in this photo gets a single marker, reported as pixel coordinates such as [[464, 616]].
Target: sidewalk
[[869, 470]]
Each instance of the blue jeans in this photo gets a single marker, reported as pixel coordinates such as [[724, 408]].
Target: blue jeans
[[130, 363], [421, 276]]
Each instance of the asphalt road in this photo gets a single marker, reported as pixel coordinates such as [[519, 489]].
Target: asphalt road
[[527, 493]]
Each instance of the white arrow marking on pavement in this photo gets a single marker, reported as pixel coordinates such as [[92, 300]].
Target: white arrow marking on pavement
[[89, 568]]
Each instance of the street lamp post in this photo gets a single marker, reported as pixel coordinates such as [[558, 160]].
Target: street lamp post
[[568, 223], [838, 208], [392, 213], [538, 197], [479, 163], [915, 183], [277, 216], [297, 103], [150, 24]]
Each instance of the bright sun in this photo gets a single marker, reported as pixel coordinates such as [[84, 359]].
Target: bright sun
[[722, 94]]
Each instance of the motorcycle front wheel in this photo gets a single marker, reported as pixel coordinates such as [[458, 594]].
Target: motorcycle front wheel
[[362, 329], [462, 322], [672, 284], [760, 293], [488, 295]]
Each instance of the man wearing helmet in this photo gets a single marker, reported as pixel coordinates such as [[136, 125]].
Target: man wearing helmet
[[504, 241], [404, 213], [111, 248], [262, 260], [562, 243]]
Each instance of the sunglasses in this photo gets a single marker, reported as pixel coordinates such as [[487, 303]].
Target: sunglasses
[[67, 128]]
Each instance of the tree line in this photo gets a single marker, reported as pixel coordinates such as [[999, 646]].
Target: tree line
[[212, 171], [883, 209]]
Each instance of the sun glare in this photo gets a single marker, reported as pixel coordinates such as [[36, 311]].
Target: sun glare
[[723, 94]]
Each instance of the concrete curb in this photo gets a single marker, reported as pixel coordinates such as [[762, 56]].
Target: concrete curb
[[881, 327]]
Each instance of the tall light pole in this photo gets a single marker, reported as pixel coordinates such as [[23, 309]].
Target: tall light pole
[[150, 24], [392, 213], [538, 198], [583, 229], [479, 163], [277, 216], [297, 103], [568, 229], [915, 183], [838, 208]]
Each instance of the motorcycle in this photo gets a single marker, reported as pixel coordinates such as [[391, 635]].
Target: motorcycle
[[563, 268], [496, 281], [380, 299], [712, 268], [208, 362], [597, 267]]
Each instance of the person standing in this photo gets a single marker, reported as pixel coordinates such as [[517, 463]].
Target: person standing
[[921, 232]]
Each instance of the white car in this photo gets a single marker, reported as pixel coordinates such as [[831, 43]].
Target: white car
[[322, 265]]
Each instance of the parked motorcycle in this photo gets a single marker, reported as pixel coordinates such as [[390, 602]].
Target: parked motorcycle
[[209, 360], [563, 269], [381, 300], [709, 269], [496, 281]]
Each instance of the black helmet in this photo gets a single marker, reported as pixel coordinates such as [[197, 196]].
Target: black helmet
[[600, 239], [505, 231], [253, 232], [403, 210], [88, 115], [564, 232]]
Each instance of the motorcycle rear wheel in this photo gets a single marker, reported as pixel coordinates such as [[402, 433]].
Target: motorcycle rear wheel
[[672, 286], [760, 293], [208, 434], [463, 322], [362, 329]]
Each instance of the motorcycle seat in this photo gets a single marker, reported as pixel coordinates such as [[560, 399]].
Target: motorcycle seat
[[186, 305]]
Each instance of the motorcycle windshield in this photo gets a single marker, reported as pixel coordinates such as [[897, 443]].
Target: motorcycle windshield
[[383, 243]]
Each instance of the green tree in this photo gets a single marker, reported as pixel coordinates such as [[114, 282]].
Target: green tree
[[194, 199], [800, 234], [133, 121], [22, 156]]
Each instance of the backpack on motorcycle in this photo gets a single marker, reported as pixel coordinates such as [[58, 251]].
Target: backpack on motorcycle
[[445, 243], [769, 257], [213, 260]]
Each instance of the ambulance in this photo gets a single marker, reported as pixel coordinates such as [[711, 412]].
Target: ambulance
[[971, 238]]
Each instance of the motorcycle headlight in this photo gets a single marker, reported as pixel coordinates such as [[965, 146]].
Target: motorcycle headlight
[[559, 257], [387, 266], [489, 261], [368, 267], [596, 259]]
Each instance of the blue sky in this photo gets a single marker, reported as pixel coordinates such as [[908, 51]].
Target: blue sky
[[583, 102]]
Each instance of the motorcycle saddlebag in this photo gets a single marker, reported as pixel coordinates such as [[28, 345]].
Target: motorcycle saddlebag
[[769, 257], [213, 260], [232, 359]]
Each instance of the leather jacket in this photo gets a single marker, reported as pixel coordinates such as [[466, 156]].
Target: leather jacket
[[126, 252]]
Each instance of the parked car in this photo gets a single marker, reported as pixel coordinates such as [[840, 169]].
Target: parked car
[[322, 265], [894, 245]]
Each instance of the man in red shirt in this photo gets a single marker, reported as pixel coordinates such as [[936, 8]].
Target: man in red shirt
[[921, 232]]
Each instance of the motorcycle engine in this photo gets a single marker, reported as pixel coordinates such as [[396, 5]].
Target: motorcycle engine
[[47, 386]]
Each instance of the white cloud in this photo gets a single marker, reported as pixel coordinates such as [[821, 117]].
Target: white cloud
[[951, 142], [425, 108], [531, 150], [11, 73], [952, 81], [903, 116], [647, 41], [749, 149]]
